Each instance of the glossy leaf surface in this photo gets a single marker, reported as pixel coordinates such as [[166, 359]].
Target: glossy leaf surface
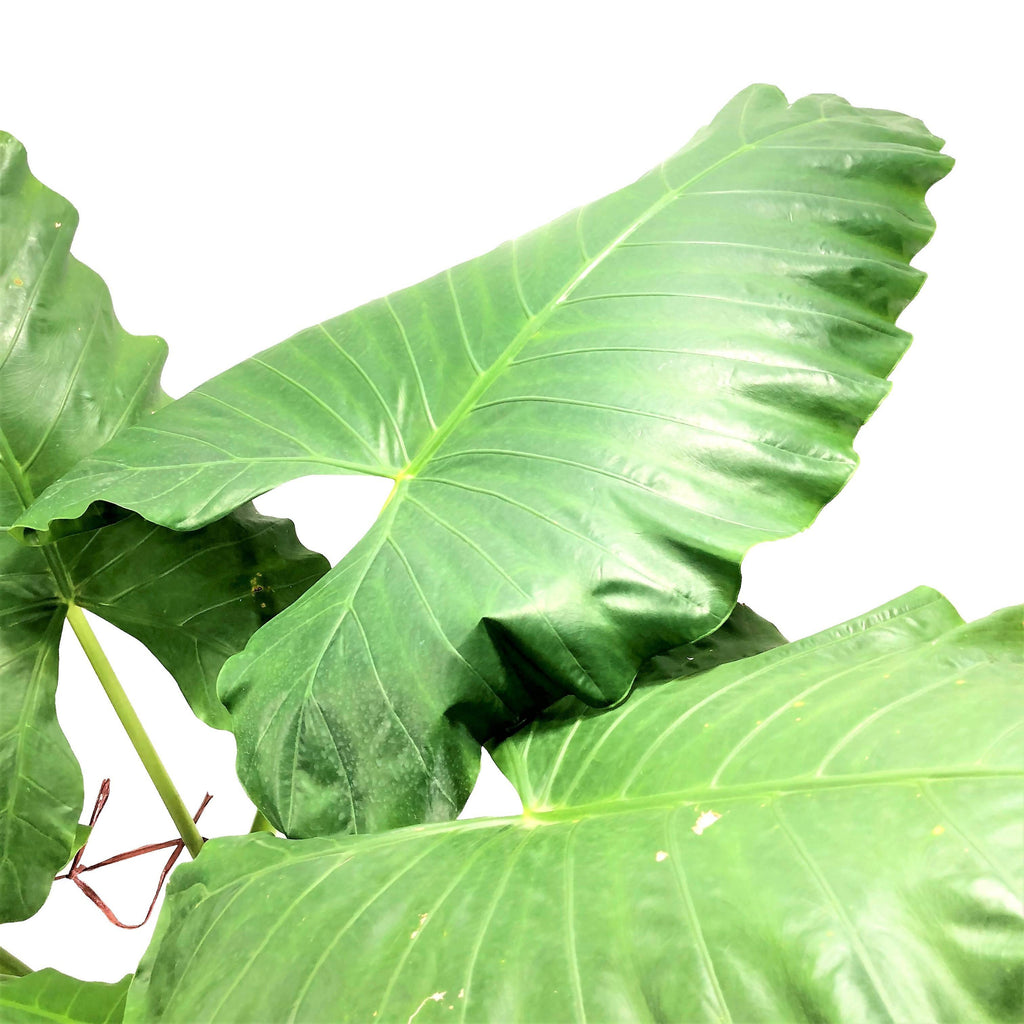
[[70, 378], [742, 635], [828, 831], [48, 995], [587, 428]]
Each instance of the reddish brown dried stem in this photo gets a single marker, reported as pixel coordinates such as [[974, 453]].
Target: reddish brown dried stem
[[77, 868]]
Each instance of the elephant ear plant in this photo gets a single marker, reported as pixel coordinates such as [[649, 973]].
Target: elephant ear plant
[[71, 378], [586, 428]]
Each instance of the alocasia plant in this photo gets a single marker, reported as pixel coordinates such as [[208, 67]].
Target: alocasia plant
[[70, 378], [696, 854], [586, 429]]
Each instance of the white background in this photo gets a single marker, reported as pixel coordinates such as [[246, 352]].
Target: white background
[[244, 170]]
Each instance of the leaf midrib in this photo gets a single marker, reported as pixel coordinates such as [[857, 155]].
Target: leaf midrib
[[39, 1011], [522, 338], [767, 788], [702, 796], [51, 637], [63, 1015], [23, 489]]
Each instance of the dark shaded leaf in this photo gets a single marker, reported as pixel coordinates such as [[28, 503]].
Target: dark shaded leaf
[[742, 635]]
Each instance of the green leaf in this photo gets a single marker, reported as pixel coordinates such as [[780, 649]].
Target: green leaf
[[82, 833], [742, 635], [587, 429], [827, 831], [48, 995], [70, 378], [194, 598], [40, 781]]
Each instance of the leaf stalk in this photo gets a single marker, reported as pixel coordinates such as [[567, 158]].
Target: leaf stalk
[[136, 733], [11, 966], [261, 824]]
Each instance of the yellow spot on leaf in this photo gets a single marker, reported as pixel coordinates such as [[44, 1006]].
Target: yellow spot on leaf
[[960, 682], [938, 830], [18, 282], [660, 856], [799, 703], [704, 822], [436, 997]]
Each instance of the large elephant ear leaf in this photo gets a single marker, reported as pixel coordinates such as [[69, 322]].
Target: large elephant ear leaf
[[70, 378], [48, 995], [829, 831], [587, 428]]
